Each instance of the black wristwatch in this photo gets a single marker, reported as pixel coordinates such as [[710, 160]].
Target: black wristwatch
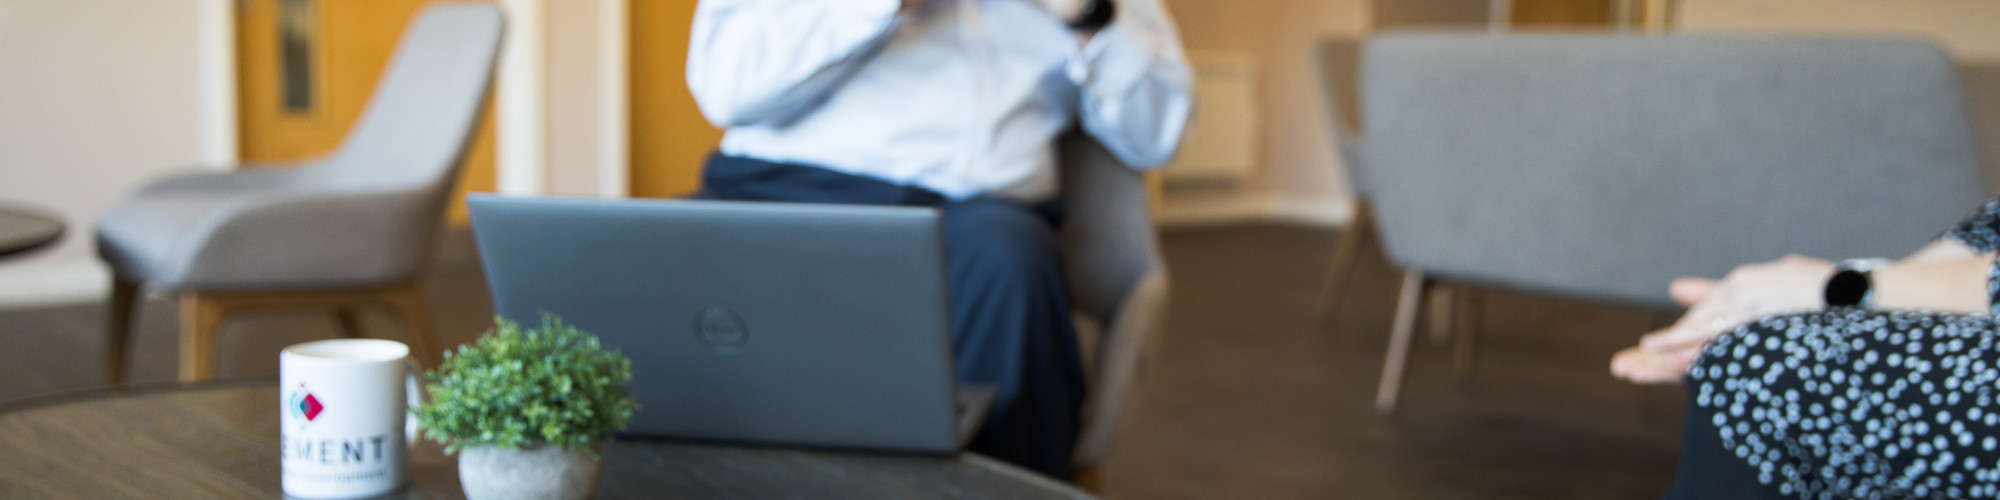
[[1095, 16], [1851, 284]]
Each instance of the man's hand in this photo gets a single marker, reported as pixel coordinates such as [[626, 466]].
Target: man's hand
[[911, 5], [1063, 10]]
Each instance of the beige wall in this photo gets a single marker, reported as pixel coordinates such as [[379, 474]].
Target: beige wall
[[572, 70], [1392, 14], [1297, 173], [1969, 29], [95, 97]]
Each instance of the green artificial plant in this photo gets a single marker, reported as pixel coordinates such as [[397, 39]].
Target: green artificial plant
[[515, 388]]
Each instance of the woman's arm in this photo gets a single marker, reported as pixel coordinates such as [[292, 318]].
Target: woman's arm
[[1945, 276], [1940, 283], [1943, 249]]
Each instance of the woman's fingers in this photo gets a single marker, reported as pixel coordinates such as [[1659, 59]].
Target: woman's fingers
[[1694, 329], [1641, 366], [1690, 290]]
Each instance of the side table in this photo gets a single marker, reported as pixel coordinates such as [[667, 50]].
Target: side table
[[23, 229]]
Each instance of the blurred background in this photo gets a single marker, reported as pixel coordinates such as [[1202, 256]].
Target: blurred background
[[1254, 392]]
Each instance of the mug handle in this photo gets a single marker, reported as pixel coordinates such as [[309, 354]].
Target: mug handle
[[413, 391]]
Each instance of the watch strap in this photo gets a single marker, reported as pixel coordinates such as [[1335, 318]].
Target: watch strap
[[1852, 283]]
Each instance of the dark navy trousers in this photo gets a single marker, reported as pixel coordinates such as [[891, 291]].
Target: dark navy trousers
[[1010, 308]]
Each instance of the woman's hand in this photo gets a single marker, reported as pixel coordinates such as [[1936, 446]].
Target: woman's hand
[[1642, 366], [1791, 283]]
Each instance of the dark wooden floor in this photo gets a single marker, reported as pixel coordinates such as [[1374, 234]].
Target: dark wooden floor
[[1253, 395]]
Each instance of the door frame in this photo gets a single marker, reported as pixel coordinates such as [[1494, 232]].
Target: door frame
[[521, 95], [215, 33]]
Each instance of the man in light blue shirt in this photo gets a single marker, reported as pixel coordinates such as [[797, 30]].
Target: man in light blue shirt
[[955, 104]]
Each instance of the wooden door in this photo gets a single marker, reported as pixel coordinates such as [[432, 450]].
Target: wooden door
[[669, 136], [334, 51], [1564, 13]]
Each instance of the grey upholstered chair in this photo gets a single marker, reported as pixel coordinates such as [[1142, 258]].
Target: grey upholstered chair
[[1117, 281], [1332, 57], [347, 230], [1603, 166]]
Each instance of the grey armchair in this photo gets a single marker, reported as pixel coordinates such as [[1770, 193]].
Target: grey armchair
[[1117, 280], [1453, 310], [349, 230], [1603, 166]]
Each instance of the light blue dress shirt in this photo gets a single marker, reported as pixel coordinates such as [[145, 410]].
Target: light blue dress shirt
[[962, 97]]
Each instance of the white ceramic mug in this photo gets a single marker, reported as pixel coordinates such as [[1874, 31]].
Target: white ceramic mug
[[346, 428]]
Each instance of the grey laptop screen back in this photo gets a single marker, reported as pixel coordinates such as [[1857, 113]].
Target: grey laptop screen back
[[794, 324]]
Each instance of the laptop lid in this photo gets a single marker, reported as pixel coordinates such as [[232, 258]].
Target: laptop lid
[[780, 323]]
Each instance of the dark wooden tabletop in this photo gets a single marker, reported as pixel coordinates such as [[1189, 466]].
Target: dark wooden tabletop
[[220, 440], [23, 229]]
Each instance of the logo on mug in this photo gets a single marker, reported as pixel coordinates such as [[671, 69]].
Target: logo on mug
[[304, 404]]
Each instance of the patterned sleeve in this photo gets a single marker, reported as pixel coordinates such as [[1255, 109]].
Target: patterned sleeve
[[1981, 230]]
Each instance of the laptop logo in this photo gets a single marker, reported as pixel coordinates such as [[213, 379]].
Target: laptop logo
[[720, 331]]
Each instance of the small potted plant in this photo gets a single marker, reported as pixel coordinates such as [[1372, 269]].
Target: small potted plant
[[528, 410]]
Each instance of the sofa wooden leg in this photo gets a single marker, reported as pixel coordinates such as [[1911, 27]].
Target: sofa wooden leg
[[1440, 300], [1360, 226], [1465, 345], [1399, 342]]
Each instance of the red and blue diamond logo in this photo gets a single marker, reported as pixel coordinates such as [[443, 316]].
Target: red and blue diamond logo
[[303, 404]]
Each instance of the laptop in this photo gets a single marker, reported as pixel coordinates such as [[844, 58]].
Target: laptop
[[776, 323]]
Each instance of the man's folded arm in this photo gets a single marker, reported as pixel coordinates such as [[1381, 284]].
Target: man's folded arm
[[767, 61], [1136, 85]]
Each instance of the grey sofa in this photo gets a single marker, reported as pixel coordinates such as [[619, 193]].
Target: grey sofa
[[1603, 166]]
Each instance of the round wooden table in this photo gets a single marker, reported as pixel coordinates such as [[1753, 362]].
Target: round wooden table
[[220, 440], [23, 229]]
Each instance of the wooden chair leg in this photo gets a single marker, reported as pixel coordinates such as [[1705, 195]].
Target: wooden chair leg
[[1090, 479], [202, 314], [409, 303], [1399, 342], [201, 319], [1465, 349], [1360, 226], [350, 322], [118, 326]]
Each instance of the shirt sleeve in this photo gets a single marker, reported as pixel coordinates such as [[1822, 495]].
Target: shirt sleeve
[[1137, 89], [762, 61], [1981, 230]]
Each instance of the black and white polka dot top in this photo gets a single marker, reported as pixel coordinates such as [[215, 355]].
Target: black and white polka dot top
[[1857, 403]]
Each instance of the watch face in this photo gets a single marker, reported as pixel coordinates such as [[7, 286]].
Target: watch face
[[1846, 288]]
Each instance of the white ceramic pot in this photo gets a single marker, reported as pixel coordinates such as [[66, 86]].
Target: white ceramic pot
[[540, 472]]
